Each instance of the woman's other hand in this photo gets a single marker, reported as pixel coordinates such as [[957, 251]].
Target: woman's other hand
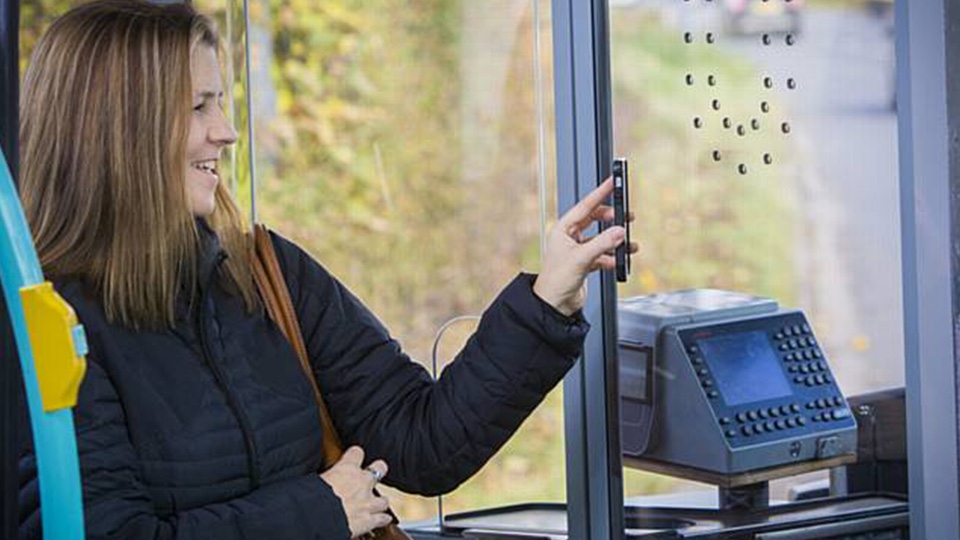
[[570, 257], [354, 485]]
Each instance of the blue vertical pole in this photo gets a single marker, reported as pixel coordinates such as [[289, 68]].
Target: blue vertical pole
[[55, 442]]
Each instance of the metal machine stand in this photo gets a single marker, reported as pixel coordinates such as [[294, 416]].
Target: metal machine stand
[[744, 512], [747, 497]]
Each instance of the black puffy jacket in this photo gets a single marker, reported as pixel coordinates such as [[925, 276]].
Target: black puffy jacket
[[210, 430]]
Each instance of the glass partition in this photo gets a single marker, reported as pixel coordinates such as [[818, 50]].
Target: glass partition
[[763, 146], [406, 147], [409, 147]]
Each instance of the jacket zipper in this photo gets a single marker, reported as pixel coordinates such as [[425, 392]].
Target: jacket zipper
[[253, 465]]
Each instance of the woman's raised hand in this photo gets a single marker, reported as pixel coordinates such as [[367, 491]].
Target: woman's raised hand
[[354, 485], [570, 257]]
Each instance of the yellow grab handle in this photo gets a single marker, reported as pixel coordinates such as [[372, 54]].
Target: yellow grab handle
[[59, 345]]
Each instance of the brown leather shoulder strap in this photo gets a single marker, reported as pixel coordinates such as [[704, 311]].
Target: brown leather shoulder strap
[[279, 306], [276, 299]]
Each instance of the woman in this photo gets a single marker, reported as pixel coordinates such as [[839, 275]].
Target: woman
[[195, 420]]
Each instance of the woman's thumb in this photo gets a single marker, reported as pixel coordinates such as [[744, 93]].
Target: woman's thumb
[[353, 456]]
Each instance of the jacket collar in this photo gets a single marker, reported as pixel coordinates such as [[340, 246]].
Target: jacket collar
[[210, 254]]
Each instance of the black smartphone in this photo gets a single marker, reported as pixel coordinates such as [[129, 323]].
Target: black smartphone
[[621, 211]]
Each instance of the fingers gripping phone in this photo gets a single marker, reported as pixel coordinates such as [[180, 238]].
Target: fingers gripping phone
[[621, 212]]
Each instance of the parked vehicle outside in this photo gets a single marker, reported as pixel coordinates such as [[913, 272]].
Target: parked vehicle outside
[[880, 8], [762, 16]]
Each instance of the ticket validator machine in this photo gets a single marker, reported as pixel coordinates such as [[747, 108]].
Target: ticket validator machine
[[729, 390], [725, 383]]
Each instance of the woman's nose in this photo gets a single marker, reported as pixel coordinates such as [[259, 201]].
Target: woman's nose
[[222, 133]]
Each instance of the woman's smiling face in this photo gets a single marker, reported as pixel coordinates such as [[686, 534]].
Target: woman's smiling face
[[210, 131]]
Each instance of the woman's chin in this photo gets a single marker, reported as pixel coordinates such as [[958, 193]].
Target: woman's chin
[[203, 208]]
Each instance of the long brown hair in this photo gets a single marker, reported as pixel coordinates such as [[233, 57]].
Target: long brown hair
[[105, 106]]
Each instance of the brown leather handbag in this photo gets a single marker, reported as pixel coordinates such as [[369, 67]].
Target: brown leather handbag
[[276, 299]]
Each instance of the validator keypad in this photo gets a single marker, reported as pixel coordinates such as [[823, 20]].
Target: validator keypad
[[815, 404]]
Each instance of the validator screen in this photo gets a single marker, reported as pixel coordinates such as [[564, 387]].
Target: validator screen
[[745, 367]]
